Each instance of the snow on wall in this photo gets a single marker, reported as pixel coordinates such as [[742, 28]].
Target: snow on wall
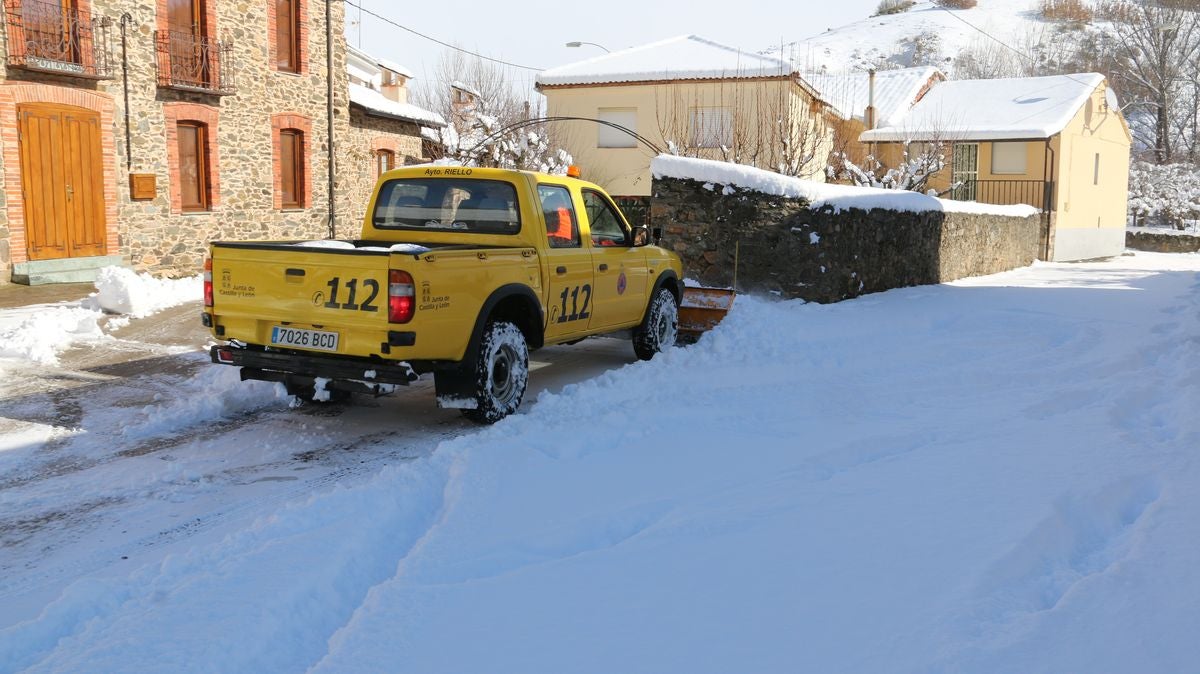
[[820, 195]]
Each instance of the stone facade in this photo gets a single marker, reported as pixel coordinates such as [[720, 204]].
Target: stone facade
[[782, 246], [1142, 239], [154, 234], [359, 169]]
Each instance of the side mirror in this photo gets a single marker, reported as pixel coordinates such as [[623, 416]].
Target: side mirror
[[641, 236]]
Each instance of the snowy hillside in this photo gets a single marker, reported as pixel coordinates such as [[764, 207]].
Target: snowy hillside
[[923, 35]]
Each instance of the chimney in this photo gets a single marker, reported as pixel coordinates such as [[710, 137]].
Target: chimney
[[869, 116], [394, 87]]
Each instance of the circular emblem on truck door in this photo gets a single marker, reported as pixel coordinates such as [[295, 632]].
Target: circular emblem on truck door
[[621, 284]]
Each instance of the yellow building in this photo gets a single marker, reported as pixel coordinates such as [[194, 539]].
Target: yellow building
[[689, 96], [1059, 143]]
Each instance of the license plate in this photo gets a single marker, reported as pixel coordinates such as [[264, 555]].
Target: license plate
[[305, 339]]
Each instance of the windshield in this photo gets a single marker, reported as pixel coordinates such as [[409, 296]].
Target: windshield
[[478, 206]]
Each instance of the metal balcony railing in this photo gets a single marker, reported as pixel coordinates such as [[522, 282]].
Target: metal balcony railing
[[1036, 193], [194, 62], [48, 37]]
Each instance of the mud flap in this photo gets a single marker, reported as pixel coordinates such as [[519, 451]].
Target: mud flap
[[455, 389]]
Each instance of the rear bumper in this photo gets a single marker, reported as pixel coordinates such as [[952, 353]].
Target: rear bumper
[[299, 372]]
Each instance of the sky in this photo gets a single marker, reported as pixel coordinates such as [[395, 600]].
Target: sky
[[535, 36]]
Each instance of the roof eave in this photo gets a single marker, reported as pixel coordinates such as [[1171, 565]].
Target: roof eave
[[373, 112]]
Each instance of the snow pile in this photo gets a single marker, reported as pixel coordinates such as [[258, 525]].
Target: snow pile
[[819, 195], [125, 291], [330, 244], [214, 393], [409, 248], [38, 333]]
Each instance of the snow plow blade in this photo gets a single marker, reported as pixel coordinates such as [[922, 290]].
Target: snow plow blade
[[702, 309]]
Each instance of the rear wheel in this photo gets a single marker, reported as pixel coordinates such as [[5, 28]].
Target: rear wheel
[[501, 373], [660, 328]]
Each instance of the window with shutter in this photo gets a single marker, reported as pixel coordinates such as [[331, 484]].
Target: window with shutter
[[287, 33], [291, 168], [193, 166], [386, 160]]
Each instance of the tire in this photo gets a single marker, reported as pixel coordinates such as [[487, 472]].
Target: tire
[[501, 373], [660, 328]]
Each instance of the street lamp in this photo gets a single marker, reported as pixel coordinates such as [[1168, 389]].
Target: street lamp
[[580, 44]]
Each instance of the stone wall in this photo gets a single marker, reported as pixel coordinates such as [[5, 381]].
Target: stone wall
[[1141, 239], [784, 247]]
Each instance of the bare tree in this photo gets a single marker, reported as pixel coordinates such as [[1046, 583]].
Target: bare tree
[[1157, 47], [769, 126], [918, 163], [488, 129]]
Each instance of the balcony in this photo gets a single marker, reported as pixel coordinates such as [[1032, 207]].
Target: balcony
[[48, 37], [194, 63], [1036, 193]]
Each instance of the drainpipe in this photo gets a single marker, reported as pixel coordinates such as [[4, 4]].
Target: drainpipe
[[329, 115], [1049, 175], [126, 19]]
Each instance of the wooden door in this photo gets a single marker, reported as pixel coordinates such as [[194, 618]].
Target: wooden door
[[183, 16], [62, 178]]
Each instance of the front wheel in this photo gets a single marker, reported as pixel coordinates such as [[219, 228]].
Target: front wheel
[[501, 373], [659, 329]]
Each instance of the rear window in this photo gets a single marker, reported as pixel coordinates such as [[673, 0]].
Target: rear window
[[478, 206]]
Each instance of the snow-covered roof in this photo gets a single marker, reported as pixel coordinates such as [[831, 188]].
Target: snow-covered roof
[[394, 67], [1002, 109], [364, 65], [379, 104], [895, 92], [467, 88], [819, 195], [686, 57]]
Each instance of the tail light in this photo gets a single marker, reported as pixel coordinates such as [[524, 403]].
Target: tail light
[[208, 287], [402, 300]]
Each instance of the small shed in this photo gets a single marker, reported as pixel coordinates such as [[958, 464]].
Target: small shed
[[1059, 143]]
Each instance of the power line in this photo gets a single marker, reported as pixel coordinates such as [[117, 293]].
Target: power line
[[1018, 52], [434, 39]]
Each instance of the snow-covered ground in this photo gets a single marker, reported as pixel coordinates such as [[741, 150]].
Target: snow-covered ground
[[997, 474]]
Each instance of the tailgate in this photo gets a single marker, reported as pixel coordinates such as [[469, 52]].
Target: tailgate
[[326, 300]]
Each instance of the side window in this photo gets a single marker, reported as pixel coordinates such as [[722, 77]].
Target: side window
[[562, 228], [607, 228]]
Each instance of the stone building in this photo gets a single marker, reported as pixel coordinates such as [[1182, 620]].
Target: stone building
[[135, 131], [385, 129]]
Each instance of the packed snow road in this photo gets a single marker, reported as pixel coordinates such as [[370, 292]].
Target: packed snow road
[[134, 442], [997, 474]]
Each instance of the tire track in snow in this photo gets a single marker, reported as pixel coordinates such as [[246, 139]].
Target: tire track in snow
[[376, 525], [45, 576]]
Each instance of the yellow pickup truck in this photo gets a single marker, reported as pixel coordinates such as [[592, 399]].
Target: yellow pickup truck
[[459, 273]]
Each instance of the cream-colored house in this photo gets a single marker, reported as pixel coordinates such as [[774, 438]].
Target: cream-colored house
[[1059, 143], [690, 95]]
